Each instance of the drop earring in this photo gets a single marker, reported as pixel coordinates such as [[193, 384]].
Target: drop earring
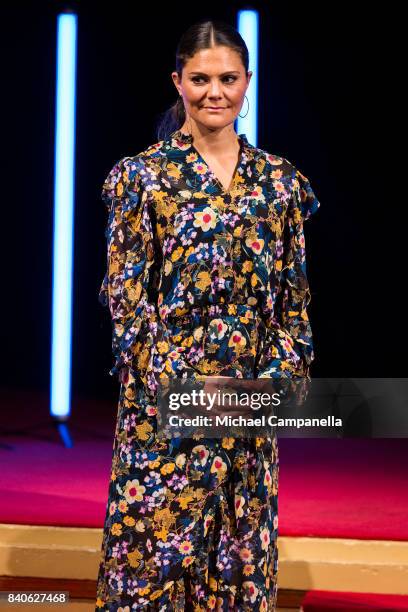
[[247, 110]]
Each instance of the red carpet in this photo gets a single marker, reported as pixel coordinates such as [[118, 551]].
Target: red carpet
[[330, 488], [325, 601]]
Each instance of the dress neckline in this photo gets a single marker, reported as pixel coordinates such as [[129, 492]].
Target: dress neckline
[[244, 145]]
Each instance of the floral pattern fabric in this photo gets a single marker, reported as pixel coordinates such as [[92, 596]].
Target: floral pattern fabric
[[200, 281]]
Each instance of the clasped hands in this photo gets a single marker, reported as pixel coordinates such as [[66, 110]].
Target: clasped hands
[[211, 387]]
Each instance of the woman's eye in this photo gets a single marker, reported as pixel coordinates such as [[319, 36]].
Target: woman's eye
[[197, 78]]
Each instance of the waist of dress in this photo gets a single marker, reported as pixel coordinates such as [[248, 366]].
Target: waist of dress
[[214, 310]]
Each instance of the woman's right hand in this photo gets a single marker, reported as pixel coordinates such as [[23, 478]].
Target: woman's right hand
[[211, 387]]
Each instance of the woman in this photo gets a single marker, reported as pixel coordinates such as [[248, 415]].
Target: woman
[[206, 277]]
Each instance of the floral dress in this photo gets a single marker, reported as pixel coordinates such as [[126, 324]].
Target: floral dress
[[200, 281]]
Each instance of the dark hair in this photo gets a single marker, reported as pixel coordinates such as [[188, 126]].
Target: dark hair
[[201, 35]]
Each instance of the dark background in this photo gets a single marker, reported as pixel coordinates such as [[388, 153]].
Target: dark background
[[328, 91]]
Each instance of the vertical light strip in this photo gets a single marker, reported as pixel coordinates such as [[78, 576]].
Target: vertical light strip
[[247, 26], [64, 183]]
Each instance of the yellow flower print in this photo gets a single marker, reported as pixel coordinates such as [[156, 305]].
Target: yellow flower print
[[134, 558], [259, 442], [246, 555], [185, 193], [265, 538], [187, 561], [239, 506], [279, 186], [162, 534], [168, 266], [256, 244], [134, 491], [205, 219], [248, 570], [167, 468], [181, 460], [297, 217], [122, 505], [211, 603], [119, 188], [304, 314], [293, 313], [200, 168], [228, 443], [162, 347], [255, 281], [203, 280], [208, 519], [177, 253], [202, 453], [140, 526], [218, 328], [247, 266], [237, 340], [173, 170], [276, 226], [276, 174], [163, 517], [185, 547], [240, 281], [191, 157], [218, 201], [256, 193], [143, 590], [199, 195], [189, 252], [198, 333], [269, 302], [129, 521], [218, 466], [116, 529], [268, 481], [260, 165], [143, 431], [184, 499]]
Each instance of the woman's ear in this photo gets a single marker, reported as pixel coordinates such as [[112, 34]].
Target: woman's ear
[[176, 81], [249, 75]]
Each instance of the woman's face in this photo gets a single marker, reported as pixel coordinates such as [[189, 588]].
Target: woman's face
[[213, 78]]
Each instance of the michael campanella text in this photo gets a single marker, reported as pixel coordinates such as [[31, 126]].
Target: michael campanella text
[[241, 421]]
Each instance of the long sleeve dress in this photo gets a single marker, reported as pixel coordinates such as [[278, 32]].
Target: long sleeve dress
[[200, 281]]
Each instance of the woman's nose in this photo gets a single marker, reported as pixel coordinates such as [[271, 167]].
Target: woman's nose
[[214, 89]]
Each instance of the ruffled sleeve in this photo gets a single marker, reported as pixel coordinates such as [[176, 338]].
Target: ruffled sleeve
[[129, 287], [287, 346]]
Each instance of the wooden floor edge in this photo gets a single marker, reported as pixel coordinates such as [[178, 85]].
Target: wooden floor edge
[[72, 554], [84, 591]]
